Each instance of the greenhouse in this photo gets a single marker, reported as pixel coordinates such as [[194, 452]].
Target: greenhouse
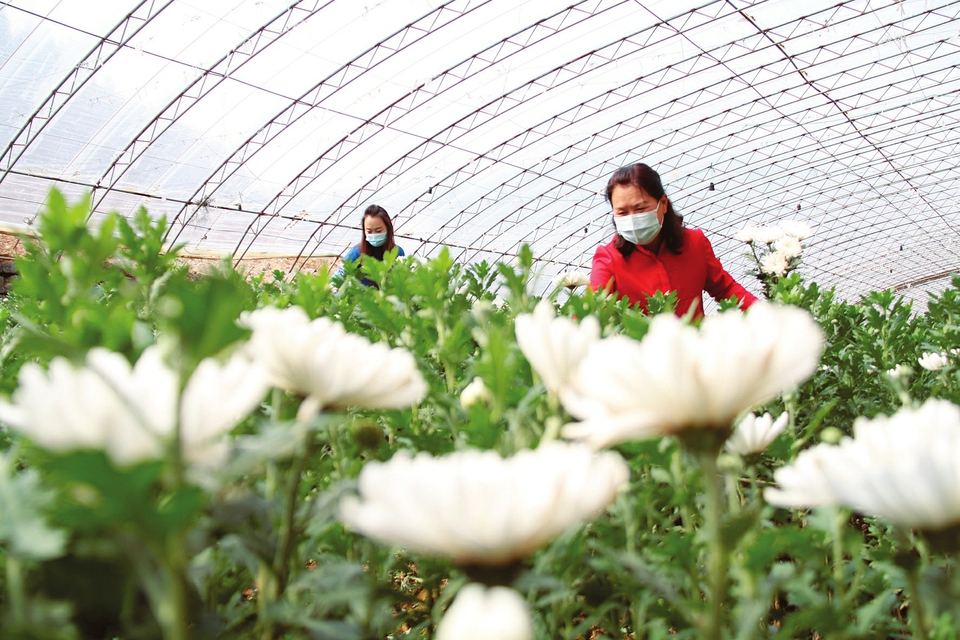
[[479, 319]]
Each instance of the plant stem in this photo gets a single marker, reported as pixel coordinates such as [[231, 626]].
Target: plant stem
[[172, 612], [839, 521], [717, 558], [272, 580], [288, 530], [15, 590], [917, 613]]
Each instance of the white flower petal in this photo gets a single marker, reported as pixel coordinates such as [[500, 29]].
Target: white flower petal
[[904, 468], [477, 508], [554, 346], [105, 405], [678, 378], [479, 613], [572, 279], [215, 399], [788, 246], [796, 228], [775, 263], [320, 360], [933, 361], [473, 393], [754, 434]]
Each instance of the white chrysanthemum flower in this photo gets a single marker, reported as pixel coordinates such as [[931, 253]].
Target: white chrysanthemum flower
[[899, 371], [105, 405], [746, 234], [796, 228], [767, 235], [478, 508], [479, 613], [572, 279], [933, 361], [216, 398], [678, 378], [473, 393], [775, 264], [788, 246], [131, 412], [755, 433], [318, 359], [554, 346], [904, 468]]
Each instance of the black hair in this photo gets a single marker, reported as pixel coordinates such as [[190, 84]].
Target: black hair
[[645, 178], [367, 249]]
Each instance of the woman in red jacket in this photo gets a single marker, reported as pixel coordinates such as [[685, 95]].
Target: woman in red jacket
[[653, 251]]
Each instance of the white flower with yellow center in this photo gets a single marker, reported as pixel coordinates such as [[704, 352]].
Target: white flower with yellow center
[[755, 433], [477, 508], [904, 469], [331, 368], [572, 279], [679, 378], [479, 613], [554, 346], [132, 412]]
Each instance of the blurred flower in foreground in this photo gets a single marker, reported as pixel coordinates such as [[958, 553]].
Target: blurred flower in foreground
[[318, 359], [473, 393], [755, 433], [478, 508], [904, 468], [216, 398], [572, 279], [131, 412], [933, 361], [479, 613], [678, 378], [554, 346]]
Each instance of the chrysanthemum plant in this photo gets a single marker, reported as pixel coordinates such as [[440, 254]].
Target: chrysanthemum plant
[[775, 251], [199, 528]]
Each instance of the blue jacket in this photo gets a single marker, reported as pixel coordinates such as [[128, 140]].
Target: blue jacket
[[353, 254]]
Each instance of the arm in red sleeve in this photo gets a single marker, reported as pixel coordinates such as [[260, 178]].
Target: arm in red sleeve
[[720, 284], [601, 273]]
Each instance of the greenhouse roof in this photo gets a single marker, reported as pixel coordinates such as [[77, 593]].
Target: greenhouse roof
[[266, 126]]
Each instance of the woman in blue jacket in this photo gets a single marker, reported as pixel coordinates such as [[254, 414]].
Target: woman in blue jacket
[[376, 238]]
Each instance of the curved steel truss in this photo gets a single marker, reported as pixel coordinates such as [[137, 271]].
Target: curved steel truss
[[482, 125]]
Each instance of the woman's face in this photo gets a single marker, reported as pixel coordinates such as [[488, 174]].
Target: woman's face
[[373, 225], [628, 199]]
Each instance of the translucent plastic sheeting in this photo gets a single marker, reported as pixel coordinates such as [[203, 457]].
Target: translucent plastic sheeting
[[481, 125]]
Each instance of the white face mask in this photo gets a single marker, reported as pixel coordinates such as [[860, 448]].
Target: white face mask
[[638, 228], [377, 239]]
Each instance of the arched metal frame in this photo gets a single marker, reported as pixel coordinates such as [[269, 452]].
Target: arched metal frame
[[847, 112]]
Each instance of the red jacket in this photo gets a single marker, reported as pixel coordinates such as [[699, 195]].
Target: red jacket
[[695, 270]]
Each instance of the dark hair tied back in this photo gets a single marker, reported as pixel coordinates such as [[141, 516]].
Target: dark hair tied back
[[643, 177]]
